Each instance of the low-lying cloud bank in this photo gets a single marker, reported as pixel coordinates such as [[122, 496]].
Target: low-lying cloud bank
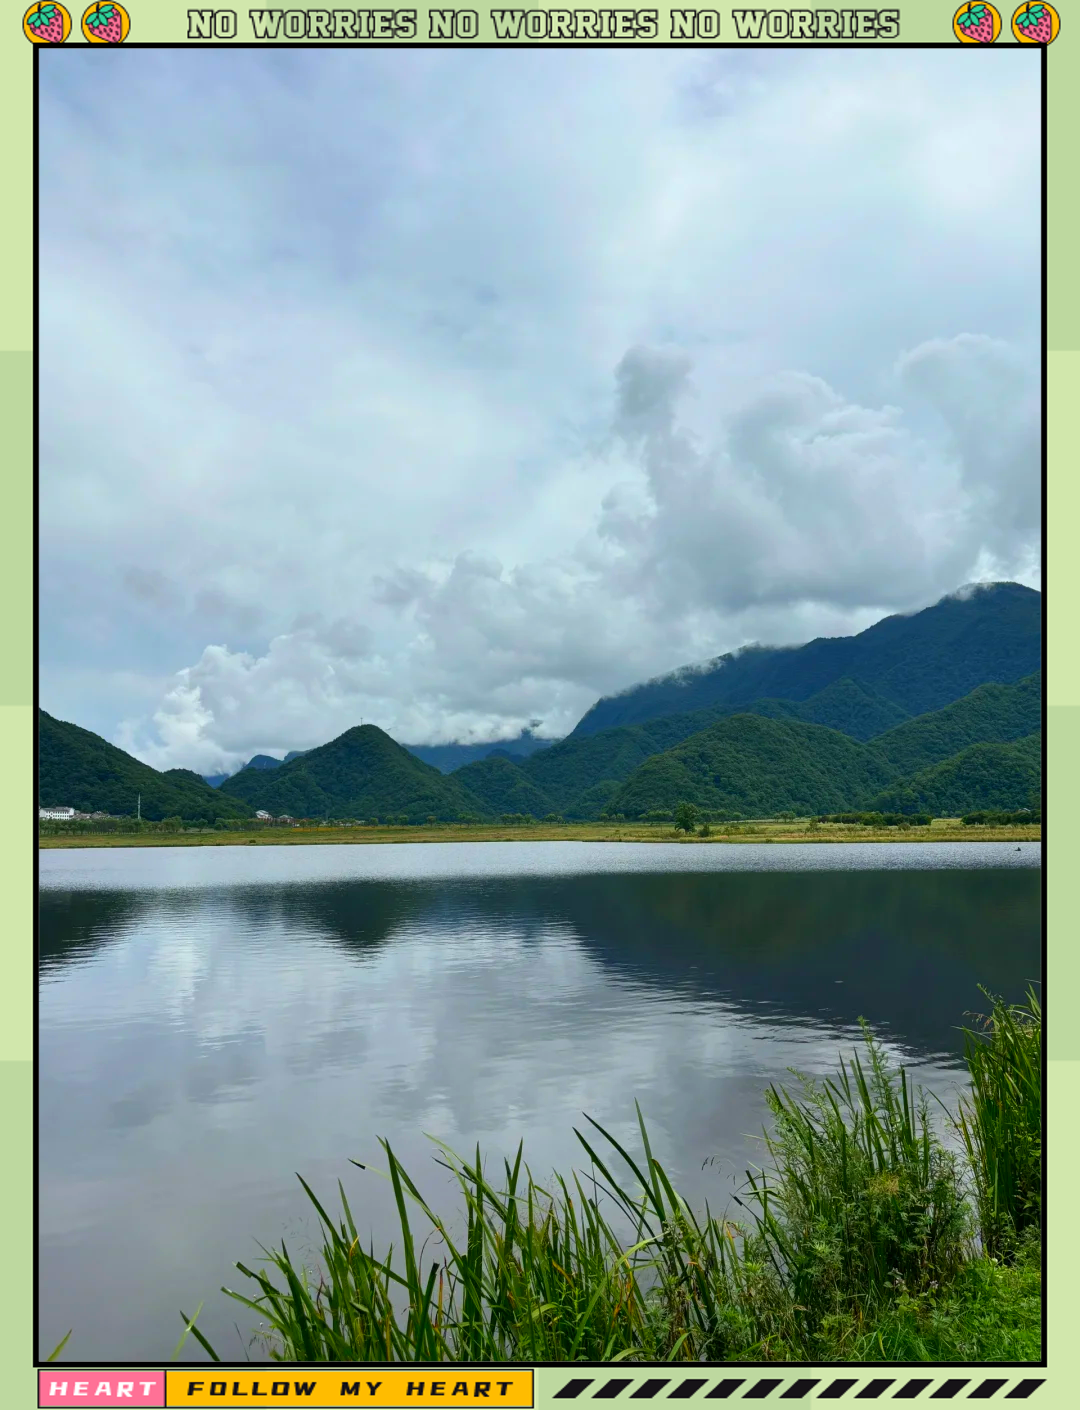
[[803, 514]]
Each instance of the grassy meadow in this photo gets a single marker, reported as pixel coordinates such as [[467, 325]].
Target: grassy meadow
[[768, 830]]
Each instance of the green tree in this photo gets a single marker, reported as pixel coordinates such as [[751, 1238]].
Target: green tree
[[686, 816]]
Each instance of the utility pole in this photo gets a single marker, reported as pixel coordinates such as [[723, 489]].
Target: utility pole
[[139, 806]]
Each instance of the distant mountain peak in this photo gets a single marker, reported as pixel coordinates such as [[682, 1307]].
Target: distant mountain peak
[[363, 773], [455, 755]]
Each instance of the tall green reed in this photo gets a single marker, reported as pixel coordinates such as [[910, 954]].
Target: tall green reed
[[536, 1274], [1001, 1121], [861, 1210], [862, 1200]]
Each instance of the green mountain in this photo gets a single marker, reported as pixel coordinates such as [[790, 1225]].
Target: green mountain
[[573, 767], [501, 786], [983, 776], [893, 713], [263, 761], [981, 752], [918, 662], [990, 714], [751, 766], [580, 774], [81, 770], [852, 708], [361, 774], [845, 705], [257, 761]]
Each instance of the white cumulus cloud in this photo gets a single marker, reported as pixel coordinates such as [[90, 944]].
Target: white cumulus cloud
[[457, 388]]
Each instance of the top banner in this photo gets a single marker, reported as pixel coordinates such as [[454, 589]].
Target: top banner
[[978, 22]]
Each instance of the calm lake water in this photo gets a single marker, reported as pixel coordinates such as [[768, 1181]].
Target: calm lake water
[[214, 1020]]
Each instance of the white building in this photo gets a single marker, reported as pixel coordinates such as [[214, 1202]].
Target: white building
[[264, 817], [56, 814]]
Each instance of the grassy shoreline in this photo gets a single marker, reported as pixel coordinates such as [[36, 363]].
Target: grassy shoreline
[[862, 1238], [941, 830]]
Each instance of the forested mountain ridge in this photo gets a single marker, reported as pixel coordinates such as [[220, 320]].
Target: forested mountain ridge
[[500, 785], [79, 769], [742, 765], [1006, 776], [981, 752], [991, 714], [851, 743], [363, 773], [581, 773], [752, 766], [991, 633]]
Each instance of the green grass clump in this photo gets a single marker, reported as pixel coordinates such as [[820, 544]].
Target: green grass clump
[[991, 1312], [858, 1243], [538, 1275], [863, 1200], [1001, 1122]]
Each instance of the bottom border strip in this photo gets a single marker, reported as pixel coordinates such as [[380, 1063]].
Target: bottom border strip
[[835, 1389], [398, 1389]]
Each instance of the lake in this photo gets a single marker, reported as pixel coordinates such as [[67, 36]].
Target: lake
[[214, 1020]]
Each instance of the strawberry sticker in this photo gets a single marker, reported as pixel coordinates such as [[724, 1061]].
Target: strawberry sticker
[[106, 23], [1036, 23], [978, 22], [47, 23]]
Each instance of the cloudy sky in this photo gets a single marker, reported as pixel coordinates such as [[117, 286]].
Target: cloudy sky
[[450, 390]]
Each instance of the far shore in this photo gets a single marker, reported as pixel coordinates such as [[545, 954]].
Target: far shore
[[941, 830]]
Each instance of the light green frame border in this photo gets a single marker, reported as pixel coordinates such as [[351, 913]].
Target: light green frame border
[[921, 22]]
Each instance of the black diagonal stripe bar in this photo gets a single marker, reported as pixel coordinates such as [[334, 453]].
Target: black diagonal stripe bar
[[723, 1389], [610, 1389], [685, 1389], [647, 1389], [985, 1389], [872, 1389], [1023, 1389], [948, 1389], [797, 1389], [910, 1389], [572, 1389], [835, 1389], [760, 1389]]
